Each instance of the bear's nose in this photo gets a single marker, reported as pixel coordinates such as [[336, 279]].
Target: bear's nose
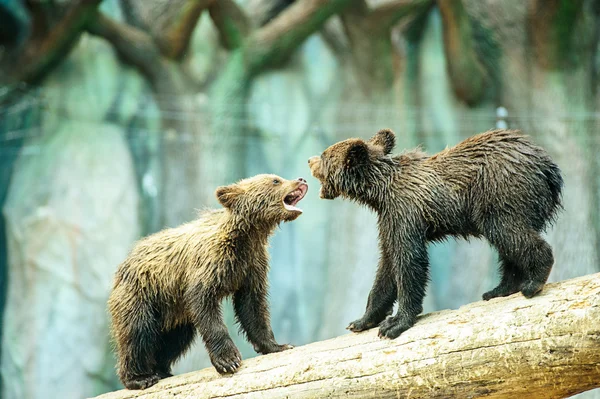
[[312, 159], [302, 179]]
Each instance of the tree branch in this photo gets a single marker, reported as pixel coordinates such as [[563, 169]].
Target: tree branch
[[231, 22], [333, 35], [138, 49], [370, 47], [467, 75], [369, 34], [544, 347], [275, 41], [39, 58], [16, 23], [386, 15], [174, 34], [133, 45]]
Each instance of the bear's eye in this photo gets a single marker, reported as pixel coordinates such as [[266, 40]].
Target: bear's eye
[[276, 181]]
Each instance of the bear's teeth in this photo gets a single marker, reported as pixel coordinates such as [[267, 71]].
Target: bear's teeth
[[292, 207]]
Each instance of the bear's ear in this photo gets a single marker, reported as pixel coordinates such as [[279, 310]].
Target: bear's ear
[[227, 195], [357, 155], [384, 138]]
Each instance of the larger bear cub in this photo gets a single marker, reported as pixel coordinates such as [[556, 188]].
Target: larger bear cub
[[171, 285], [496, 185]]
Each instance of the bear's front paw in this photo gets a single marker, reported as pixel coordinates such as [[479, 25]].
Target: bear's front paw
[[499, 291], [360, 325], [392, 327], [227, 359], [272, 348]]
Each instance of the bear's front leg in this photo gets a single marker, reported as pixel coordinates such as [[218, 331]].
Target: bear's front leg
[[223, 353], [381, 298], [252, 311], [412, 270]]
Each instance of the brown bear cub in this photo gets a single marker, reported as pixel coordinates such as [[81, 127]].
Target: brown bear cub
[[496, 185], [171, 285]]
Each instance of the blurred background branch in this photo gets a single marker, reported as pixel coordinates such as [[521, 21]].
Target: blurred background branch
[[48, 42], [467, 75]]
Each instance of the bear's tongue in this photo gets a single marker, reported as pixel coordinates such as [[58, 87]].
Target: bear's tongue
[[290, 200]]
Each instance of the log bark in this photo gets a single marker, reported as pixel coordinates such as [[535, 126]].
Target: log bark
[[545, 347]]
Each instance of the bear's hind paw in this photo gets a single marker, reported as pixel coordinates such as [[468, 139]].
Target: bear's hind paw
[[141, 381], [532, 288]]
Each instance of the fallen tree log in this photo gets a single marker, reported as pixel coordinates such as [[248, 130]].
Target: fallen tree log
[[544, 347]]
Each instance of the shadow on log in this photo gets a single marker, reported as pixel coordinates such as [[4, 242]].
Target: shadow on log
[[545, 347]]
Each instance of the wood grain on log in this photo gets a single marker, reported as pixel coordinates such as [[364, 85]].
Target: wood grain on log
[[545, 347]]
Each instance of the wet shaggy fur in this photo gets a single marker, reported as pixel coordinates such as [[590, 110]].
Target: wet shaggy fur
[[496, 185], [171, 285]]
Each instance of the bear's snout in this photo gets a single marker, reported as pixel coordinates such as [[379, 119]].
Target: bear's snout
[[314, 164], [302, 179]]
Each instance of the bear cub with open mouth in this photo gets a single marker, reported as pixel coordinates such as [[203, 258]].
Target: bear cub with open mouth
[[171, 285], [496, 185]]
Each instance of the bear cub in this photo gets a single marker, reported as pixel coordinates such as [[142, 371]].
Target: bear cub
[[496, 185], [171, 285]]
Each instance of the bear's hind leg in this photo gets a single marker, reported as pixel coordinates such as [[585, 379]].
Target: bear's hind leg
[[510, 282], [529, 253], [174, 343], [537, 261], [137, 348]]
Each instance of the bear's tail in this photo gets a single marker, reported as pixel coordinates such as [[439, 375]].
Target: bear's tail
[[555, 183]]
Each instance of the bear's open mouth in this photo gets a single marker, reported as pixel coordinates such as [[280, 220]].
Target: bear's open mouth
[[290, 200]]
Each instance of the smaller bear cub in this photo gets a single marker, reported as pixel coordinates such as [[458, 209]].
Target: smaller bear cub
[[496, 185], [171, 285]]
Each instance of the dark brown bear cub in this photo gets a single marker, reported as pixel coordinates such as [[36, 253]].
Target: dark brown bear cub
[[496, 185], [171, 285]]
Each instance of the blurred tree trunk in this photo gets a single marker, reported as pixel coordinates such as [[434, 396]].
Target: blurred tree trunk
[[178, 195], [564, 44], [29, 50]]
